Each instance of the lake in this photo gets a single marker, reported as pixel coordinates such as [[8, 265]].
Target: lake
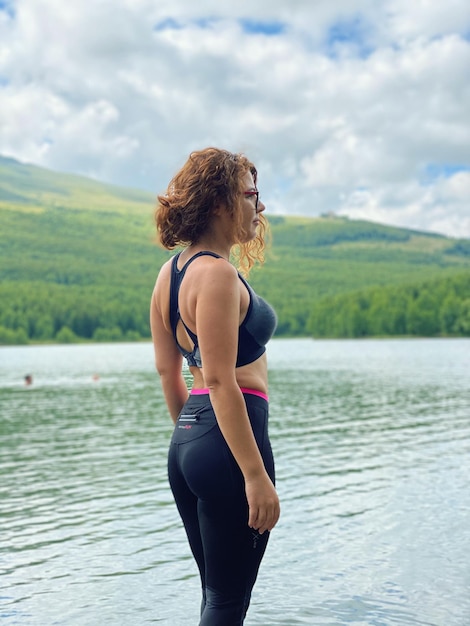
[[372, 447]]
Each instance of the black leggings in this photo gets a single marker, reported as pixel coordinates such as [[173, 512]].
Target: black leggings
[[208, 488]]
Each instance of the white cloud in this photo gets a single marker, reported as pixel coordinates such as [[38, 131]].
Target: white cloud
[[355, 107], [444, 205], [427, 18]]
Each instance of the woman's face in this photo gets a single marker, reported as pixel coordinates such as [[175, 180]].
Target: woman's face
[[251, 207]]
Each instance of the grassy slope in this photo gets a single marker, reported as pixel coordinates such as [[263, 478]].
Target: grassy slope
[[325, 256], [70, 230]]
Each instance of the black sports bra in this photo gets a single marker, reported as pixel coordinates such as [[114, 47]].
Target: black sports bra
[[254, 332]]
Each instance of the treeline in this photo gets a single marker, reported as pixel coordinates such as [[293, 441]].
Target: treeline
[[47, 312], [78, 262], [331, 230], [434, 308], [37, 312]]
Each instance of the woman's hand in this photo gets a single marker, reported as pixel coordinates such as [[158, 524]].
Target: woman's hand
[[263, 503]]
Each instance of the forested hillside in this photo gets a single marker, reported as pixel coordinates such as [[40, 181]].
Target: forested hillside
[[78, 261]]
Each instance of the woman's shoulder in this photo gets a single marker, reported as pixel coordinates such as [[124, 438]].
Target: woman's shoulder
[[164, 272], [211, 268], [162, 282], [209, 277]]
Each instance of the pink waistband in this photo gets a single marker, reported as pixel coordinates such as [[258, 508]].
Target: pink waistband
[[253, 392]]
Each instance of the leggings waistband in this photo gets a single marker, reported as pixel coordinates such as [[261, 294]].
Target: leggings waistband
[[253, 392]]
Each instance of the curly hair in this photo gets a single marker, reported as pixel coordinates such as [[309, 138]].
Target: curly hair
[[209, 178]]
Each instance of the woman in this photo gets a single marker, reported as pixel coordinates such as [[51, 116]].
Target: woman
[[220, 463]]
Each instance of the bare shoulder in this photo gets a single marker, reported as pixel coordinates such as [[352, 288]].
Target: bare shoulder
[[213, 273], [215, 268], [165, 271]]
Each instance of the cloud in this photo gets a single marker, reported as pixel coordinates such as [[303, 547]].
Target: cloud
[[359, 108]]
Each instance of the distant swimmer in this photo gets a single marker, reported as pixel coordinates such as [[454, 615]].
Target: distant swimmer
[[28, 380]]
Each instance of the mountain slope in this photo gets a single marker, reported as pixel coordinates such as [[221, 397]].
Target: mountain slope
[[81, 255]]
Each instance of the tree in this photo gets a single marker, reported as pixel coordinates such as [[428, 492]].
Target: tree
[[9, 337], [449, 314], [462, 324], [65, 335], [43, 328]]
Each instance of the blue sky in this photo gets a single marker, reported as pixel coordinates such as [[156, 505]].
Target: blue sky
[[353, 33], [358, 107], [8, 8], [434, 171], [270, 29]]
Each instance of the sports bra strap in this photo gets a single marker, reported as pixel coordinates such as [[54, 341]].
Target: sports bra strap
[[176, 279], [193, 258], [254, 332]]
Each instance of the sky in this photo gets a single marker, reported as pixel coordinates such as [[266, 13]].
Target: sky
[[353, 107]]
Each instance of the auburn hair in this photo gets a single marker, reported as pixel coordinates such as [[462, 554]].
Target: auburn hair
[[209, 178]]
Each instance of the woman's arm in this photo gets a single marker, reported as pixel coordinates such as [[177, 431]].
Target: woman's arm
[[168, 360], [217, 324]]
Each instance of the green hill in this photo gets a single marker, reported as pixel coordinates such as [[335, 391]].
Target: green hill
[[78, 259]]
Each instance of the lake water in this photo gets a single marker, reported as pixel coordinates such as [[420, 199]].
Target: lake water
[[372, 446]]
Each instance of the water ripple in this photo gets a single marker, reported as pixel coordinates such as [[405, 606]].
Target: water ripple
[[372, 443]]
